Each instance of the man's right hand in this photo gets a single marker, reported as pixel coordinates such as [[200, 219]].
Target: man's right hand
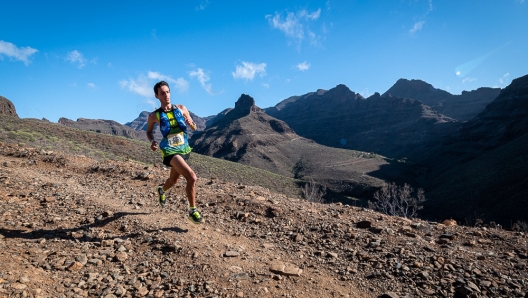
[[154, 145]]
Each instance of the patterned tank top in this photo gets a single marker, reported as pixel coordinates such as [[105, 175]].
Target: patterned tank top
[[174, 131]]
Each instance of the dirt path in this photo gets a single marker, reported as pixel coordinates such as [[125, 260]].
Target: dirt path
[[55, 214]]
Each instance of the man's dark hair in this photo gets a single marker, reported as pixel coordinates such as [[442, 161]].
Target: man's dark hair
[[158, 85]]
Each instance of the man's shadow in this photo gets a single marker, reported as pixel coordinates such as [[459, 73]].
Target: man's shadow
[[61, 233]]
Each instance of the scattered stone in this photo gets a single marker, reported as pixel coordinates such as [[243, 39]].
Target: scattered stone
[[121, 256], [107, 243], [285, 269], [108, 213], [375, 230], [241, 276], [449, 222], [389, 295], [364, 224], [75, 266], [18, 286], [332, 255], [447, 236], [298, 237], [231, 254]]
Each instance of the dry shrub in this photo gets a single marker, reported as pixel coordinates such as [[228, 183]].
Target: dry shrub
[[520, 226], [313, 192], [396, 200]]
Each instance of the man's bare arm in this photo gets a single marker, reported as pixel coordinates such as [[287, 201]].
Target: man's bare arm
[[187, 117], [152, 119]]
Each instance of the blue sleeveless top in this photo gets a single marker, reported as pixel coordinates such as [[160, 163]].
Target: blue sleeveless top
[[174, 131]]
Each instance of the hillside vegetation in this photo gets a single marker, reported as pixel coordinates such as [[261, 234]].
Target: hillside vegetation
[[55, 137]]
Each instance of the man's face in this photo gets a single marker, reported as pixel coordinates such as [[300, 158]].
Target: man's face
[[163, 95]]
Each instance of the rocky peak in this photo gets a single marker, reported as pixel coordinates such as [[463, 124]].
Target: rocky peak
[[417, 85], [415, 89], [65, 121], [244, 106], [339, 90], [246, 103], [7, 107]]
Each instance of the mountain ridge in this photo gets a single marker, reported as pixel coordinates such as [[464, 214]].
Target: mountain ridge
[[461, 107], [249, 136], [342, 118]]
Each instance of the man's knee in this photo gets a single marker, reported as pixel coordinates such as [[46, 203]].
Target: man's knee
[[192, 179]]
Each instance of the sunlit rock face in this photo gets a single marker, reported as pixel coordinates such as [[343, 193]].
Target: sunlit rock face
[[7, 107]]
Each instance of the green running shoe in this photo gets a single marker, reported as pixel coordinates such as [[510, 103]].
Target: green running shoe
[[195, 216], [161, 196]]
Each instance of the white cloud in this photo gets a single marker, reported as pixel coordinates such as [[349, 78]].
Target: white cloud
[[417, 27], [144, 85], [76, 57], [248, 70], [180, 83], [468, 80], [12, 51], [203, 78], [310, 16], [290, 26], [504, 79], [520, 1], [295, 25], [203, 5], [303, 66], [267, 86], [431, 7], [141, 86], [91, 85]]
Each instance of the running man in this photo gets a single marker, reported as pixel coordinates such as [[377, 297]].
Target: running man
[[173, 121]]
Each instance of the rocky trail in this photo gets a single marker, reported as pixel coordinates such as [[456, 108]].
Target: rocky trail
[[71, 226]]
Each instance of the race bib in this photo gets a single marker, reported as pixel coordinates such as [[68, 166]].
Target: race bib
[[176, 139]]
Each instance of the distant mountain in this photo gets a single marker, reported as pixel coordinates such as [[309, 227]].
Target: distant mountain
[[482, 170], [109, 127], [460, 107], [248, 135], [140, 123], [387, 125], [7, 107], [209, 121]]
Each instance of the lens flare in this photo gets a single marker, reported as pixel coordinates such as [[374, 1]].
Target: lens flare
[[465, 68]]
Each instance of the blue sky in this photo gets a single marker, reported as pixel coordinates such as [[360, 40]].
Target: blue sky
[[100, 59]]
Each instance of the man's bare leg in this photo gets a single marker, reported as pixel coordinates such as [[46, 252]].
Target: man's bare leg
[[173, 179], [182, 168]]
